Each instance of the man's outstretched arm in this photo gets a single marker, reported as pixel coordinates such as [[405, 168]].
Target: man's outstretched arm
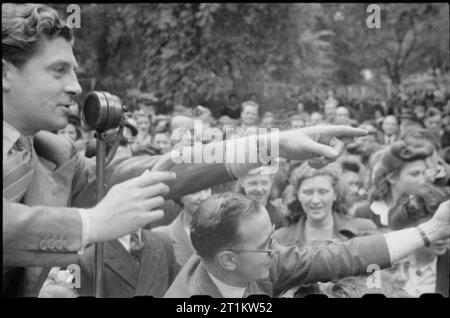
[[296, 265]]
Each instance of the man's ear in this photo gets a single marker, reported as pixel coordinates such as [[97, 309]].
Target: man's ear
[[7, 67], [227, 260]]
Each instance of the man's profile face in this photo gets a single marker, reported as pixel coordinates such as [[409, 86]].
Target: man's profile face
[[256, 233], [42, 91]]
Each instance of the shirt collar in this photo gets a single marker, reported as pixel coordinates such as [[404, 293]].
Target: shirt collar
[[10, 137], [126, 240], [226, 290]]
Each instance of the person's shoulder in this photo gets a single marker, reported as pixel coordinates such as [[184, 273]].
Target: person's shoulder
[[188, 280], [362, 223], [157, 238]]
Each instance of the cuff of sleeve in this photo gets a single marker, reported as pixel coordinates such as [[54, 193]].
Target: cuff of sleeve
[[241, 155], [85, 221], [402, 243]]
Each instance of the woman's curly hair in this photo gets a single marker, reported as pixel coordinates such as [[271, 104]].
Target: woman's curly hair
[[304, 172], [417, 205]]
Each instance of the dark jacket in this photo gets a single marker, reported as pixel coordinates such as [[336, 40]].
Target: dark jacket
[[366, 212], [181, 241], [292, 266], [344, 228], [123, 276], [443, 274]]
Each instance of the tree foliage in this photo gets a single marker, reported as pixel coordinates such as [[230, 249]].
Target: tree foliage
[[193, 52], [412, 38], [190, 52]]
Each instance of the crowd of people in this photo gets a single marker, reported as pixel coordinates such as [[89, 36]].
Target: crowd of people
[[288, 230], [403, 156]]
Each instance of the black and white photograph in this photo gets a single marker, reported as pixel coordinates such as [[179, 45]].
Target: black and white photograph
[[235, 151]]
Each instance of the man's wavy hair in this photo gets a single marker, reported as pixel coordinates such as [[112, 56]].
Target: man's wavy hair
[[391, 163], [416, 206], [25, 25], [304, 172]]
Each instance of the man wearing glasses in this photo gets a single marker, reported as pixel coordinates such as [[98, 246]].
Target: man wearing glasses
[[238, 256]]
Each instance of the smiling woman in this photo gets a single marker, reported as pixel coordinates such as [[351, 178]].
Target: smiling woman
[[318, 215], [257, 186]]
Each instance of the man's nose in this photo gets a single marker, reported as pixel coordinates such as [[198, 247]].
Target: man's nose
[[73, 86]]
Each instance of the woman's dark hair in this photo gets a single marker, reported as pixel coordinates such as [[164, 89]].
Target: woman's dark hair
[[417, 136], [416, 205], [392, 161]]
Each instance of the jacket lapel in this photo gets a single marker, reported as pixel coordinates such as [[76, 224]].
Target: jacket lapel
[[182, 245], [121, 262], [150, 267]]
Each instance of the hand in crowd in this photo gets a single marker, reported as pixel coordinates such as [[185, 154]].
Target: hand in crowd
[[129, 206], [318, 142]]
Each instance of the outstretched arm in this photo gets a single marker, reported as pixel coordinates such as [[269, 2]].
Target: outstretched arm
[[296, 265]]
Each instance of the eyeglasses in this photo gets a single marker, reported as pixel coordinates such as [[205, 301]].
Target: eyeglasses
[[269, 251]]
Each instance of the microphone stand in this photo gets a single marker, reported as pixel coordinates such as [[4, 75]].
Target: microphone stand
[[99, 247], [100, 179]]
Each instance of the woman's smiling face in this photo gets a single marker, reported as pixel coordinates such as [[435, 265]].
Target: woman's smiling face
[[317, 195]]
